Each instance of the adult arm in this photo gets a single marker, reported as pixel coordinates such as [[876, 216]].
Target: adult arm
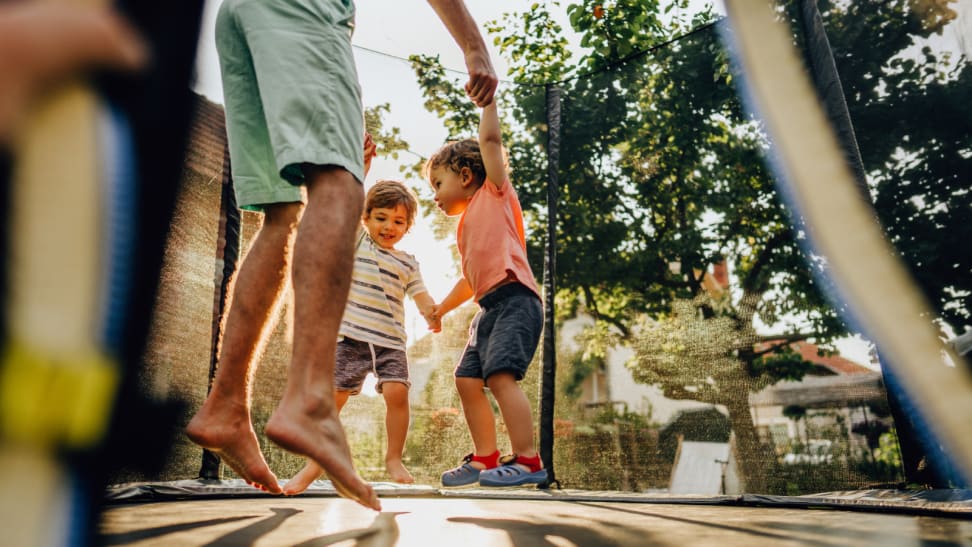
[[464, 30]]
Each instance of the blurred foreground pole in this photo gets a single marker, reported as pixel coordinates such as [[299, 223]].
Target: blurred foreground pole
[[864, 268], [918, 468]]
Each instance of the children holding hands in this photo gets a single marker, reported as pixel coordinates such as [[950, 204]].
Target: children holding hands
[[469, 179]]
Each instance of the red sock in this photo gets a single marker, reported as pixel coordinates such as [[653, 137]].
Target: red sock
[[533, 463], [490, 461]]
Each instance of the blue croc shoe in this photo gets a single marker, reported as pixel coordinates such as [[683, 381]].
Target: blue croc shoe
[[509, 474], [463, 475], [467, 473]]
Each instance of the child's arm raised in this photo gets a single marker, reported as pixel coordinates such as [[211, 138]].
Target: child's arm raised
[[491, 145]]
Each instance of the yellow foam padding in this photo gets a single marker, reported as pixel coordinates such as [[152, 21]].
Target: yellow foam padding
[[51, 401], [56, 388], [861, 261]]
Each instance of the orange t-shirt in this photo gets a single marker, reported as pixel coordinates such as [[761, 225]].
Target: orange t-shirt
[[491, 240]]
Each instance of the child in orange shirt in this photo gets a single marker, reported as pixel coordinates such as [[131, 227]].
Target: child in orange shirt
[[470, 179]]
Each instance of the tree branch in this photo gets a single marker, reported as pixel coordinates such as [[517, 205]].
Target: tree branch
[[774, 243], [591, 302], [778, 343]]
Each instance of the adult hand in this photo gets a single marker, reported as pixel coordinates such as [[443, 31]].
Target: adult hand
[[482, 78], [370, 151], [43, 43]]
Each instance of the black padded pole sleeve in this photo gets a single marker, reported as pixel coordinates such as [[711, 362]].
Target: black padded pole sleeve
[[548, 374]]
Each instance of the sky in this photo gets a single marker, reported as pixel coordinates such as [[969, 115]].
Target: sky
[[388, 31]]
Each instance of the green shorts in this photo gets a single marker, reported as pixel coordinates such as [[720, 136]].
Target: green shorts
[[291, 94]]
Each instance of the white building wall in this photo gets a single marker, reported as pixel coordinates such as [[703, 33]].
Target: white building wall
[[620, 384]]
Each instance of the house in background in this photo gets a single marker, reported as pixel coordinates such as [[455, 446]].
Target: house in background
[[613, 383], [836, 395]]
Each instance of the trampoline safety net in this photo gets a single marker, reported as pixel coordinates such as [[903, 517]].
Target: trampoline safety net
[[697, 343]]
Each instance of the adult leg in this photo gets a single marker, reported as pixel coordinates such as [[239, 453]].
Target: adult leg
[[479, 417], [306, 420], [396, 428], [516, 411], [223, 423], [311, 471]]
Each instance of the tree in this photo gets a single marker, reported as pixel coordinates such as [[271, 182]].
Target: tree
[[662, 176], [664, 168], [910, 104]]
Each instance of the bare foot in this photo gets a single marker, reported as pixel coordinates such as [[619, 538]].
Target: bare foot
[[396, 470], [310, 473], [229, 434], [321, 439]]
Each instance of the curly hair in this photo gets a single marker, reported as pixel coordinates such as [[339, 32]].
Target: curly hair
[[458, 154], [388, 194]]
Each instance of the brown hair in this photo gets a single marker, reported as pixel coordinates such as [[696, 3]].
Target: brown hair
[[388, 194], [458, 154]]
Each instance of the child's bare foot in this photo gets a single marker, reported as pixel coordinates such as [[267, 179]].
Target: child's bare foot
[[303, 479], [396, 470], [320, 437], [229, 434]]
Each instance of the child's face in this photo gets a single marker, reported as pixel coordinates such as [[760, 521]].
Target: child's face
[[387, 226], [452, 190]]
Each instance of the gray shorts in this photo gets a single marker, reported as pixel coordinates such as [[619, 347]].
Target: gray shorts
[[355, 359], [291, 92], [504, 334]]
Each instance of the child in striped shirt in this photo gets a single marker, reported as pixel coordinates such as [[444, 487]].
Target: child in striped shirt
[[372, 334]]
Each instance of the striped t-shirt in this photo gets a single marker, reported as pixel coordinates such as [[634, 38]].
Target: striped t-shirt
[[375, 311]]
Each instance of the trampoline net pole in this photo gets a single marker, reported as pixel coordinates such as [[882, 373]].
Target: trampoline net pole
[[227, 253], [548, 374]]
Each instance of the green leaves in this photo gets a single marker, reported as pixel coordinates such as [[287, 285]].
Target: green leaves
[[661, 165], [389, 141], [445, 97], [910, 104], [534, 44]]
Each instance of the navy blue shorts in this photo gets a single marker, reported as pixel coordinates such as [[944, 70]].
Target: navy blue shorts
[[504, 334]]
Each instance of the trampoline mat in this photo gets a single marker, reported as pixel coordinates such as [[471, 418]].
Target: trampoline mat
[[468, 518]]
